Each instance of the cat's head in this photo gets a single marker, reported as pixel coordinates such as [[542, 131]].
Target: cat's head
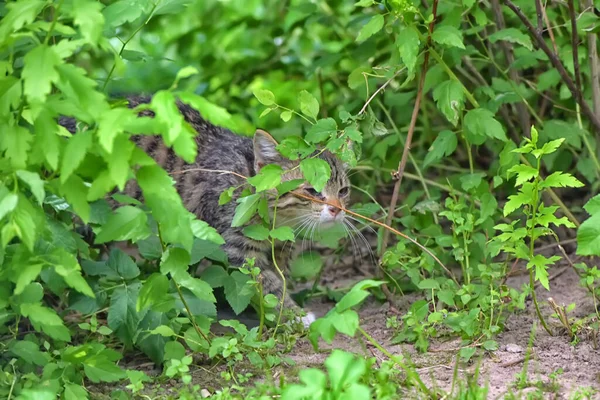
[[296, 209]]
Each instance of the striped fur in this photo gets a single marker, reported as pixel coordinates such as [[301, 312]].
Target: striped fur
[[220, 149]]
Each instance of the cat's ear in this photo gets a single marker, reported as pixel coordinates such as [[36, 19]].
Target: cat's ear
[[265, 150]]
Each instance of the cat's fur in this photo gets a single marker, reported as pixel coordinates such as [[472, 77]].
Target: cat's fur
[[220, 149]]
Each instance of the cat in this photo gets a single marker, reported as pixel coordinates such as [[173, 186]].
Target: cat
[[222, 150]]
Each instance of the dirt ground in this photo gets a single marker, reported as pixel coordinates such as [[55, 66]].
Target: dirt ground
[[580, 363]]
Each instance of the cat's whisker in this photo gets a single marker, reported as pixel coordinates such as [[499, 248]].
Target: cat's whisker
[[364, 240], [355, 248], [363, 223]]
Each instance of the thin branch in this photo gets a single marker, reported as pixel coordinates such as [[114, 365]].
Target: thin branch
[[594, 119], [411, 129], [574, 45], [386, 227], [594, 65], [522, 113], [217, 171], [539, 13], [364, 108], [548, 25]]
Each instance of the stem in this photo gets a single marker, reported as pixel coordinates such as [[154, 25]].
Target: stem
[[283, 293], [139, 28], [261, 305], [532, 250], [53, 24], [413, 121]]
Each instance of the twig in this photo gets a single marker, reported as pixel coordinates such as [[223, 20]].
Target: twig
[[594, 65], [539, 13], [513, 362], [218, 171], [364, 108], [385, 226], [507, 49], [594, 119], [574, 44], [548, 26], [398, 174]]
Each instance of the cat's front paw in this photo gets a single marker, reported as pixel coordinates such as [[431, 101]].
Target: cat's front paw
[[308, 319]]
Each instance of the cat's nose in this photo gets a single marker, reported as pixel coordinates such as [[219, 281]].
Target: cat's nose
[[334, 211]]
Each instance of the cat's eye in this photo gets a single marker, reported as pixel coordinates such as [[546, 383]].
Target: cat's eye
[[344, 191], [312, 192]]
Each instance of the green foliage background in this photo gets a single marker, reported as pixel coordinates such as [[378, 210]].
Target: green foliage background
[[309, 69]]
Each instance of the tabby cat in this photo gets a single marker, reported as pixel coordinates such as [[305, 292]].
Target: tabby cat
[[220, 149]]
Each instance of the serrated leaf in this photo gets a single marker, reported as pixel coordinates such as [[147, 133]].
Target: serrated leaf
[[123, 318], [126, 223], [39, 72], [283, 233], [524, 173], [15, 143], [372, 27], [239, 290], [154, 294], [408, 43], [443, 145], [75, 152], [480, 123], [560, 179], [316, 171], [308, 104], [450, 99], [322, 130], [449, 36], [593, 205], [512, 35], [35, 183], [46, 320], [269, 177]]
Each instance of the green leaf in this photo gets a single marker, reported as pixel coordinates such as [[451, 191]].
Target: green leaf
[[88, 18], [8, 202], [15, 142], [256, 232], [306, 265], [202, 230], [239, 290], [428, 284], [443, 145], [154, 294], [75, 191], [166, 205], [20, 14], [25, 275], [34, 182], [308, 104], [356, 295], [122, 264], [66, 265], [593, 205], [541, 264], [75, 152], [285, 115], [449, 36], [123, 318], [524, 173], [283, 233], [512, 35], [213, 113], [560, 179], [316, 171], [121, 12], [45, 319], [450, 99], [99, 368], [264, 96], [245, 210], [480, 123], [163, 330], [30, 352], [111, 124], [126, 223], [269, 177], [39, 72], [175, 261], [408, 43], [588, 237], [74, 392], [372, 27], [322, 130]]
